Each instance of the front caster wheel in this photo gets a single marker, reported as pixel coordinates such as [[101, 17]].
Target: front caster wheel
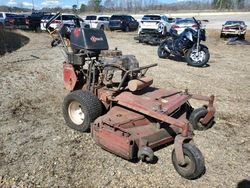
[[195, 118], [55, 42], [80, 109], [146, 154], [194, 166]]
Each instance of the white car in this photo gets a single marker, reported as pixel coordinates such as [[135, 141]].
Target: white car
[[68, 19], [154, 23], [237, 28], [97, 21], [182, 24], [44, 21]]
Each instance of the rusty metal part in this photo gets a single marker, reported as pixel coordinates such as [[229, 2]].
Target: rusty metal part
[[140, 83], [178, 143], [121, 131], [134, 70], [145, 103], [210, 107], [70, 77], [211, 111]]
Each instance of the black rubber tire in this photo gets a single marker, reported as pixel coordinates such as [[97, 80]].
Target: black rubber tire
[[55, 42], [90, 106], [222, 35], [200, 63], [146, 154], [102, 27], [195, 166], [1, 26], [195, 117], [126, 29], [242, 37], [162, 53]]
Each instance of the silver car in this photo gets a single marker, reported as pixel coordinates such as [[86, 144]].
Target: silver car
[[97, 21]]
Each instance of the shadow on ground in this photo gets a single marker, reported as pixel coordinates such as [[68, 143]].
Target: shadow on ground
[[11, 41]]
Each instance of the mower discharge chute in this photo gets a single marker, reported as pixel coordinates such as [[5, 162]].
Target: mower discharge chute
[[111, 96]]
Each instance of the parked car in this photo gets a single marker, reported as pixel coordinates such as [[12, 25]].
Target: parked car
[[44, 20], [181, 24], [123, 22], [97, 21], [236, 28], [35, 20], [21, 21], [154, 23], [68, 19], [6, 20]]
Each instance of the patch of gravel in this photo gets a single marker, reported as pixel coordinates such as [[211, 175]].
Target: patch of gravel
[[38, 149]]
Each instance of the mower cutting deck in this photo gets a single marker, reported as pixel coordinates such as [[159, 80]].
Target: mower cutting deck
[[112, 97]]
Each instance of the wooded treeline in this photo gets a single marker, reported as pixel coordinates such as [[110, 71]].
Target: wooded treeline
[[136, 6]]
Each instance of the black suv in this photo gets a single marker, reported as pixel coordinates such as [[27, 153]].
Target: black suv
[[123, 22]]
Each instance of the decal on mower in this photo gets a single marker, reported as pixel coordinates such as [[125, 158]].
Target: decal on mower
[[77, 32], [95, 39]]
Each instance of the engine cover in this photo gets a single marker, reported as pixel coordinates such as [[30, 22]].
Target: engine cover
[[88, 39]]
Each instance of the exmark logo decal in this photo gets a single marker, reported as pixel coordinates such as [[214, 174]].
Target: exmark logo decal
[[95, 39]]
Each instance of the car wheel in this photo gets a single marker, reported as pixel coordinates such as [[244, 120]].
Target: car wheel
[[102, 27], [222, 35], [126, 29], [1, 26], [242, 36]]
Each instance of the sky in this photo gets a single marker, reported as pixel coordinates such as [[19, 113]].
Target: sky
[[53, 3]]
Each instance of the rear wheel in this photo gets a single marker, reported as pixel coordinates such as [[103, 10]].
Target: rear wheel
[[194, 166], [197, 59], [126, 29], [80, 108], [102, 27], [162, 53]]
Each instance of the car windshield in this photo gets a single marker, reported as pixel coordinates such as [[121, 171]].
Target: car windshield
[[171, 20], [151, 17], [103, 18], [10, 15], [186, 21], [90, 18], [116, 18], [68, 17], [234, 22], [47, 17]]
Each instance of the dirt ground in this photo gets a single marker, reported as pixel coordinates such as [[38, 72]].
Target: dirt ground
[[37, 149]]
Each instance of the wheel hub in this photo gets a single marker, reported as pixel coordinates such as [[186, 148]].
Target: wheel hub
[[75, 113], [197, 56]]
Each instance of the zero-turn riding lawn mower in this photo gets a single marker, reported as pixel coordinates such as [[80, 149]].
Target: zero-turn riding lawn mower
[[111, 96]]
